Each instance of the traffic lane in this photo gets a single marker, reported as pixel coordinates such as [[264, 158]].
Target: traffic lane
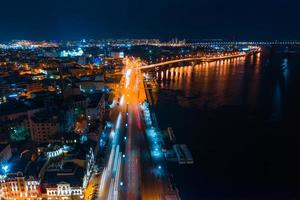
[[132, 160], [117, 131]]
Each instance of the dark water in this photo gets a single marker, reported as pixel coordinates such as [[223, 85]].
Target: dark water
[[240, 119]]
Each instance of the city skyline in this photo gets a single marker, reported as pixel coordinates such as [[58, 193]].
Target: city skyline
[[149, 100]]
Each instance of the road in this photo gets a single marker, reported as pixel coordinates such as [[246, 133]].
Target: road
[[129, 172], [143, 176]]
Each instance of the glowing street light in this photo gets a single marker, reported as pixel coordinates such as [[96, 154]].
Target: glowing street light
[[5, 168]]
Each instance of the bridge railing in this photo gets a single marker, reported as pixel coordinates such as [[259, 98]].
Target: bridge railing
[[190, 57]]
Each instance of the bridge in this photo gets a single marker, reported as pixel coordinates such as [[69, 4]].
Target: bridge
[[207, 58]]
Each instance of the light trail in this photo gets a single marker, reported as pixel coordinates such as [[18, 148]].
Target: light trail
[[111, 190], [122, 100], [111, 158], [115, 133], [128, 72], [116, 157], [117, 178], [103, 181], [111, 174]]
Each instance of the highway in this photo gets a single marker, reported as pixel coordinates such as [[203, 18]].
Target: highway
[[130, 171], [140, 179]]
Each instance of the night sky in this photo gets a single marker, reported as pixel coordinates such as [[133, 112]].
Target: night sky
[[197, 19]]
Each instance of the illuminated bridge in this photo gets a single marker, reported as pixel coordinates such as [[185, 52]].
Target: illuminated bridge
[[207, 58]]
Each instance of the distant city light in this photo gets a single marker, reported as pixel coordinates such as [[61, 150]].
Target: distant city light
[[73, 53]]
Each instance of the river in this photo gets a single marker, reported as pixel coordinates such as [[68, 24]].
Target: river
[[240, 118]]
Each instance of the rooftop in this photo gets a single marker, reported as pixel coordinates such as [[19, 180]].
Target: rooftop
[[47, 116], [68, 172]]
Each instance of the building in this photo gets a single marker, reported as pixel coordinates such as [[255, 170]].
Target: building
[[115, 54], [14, 90], [53, 175], [82, 60], [77, 101], [14, 110], [91, 84], [96, 107], [64, 191], [44, 126], [64, 180], [16, 186]]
